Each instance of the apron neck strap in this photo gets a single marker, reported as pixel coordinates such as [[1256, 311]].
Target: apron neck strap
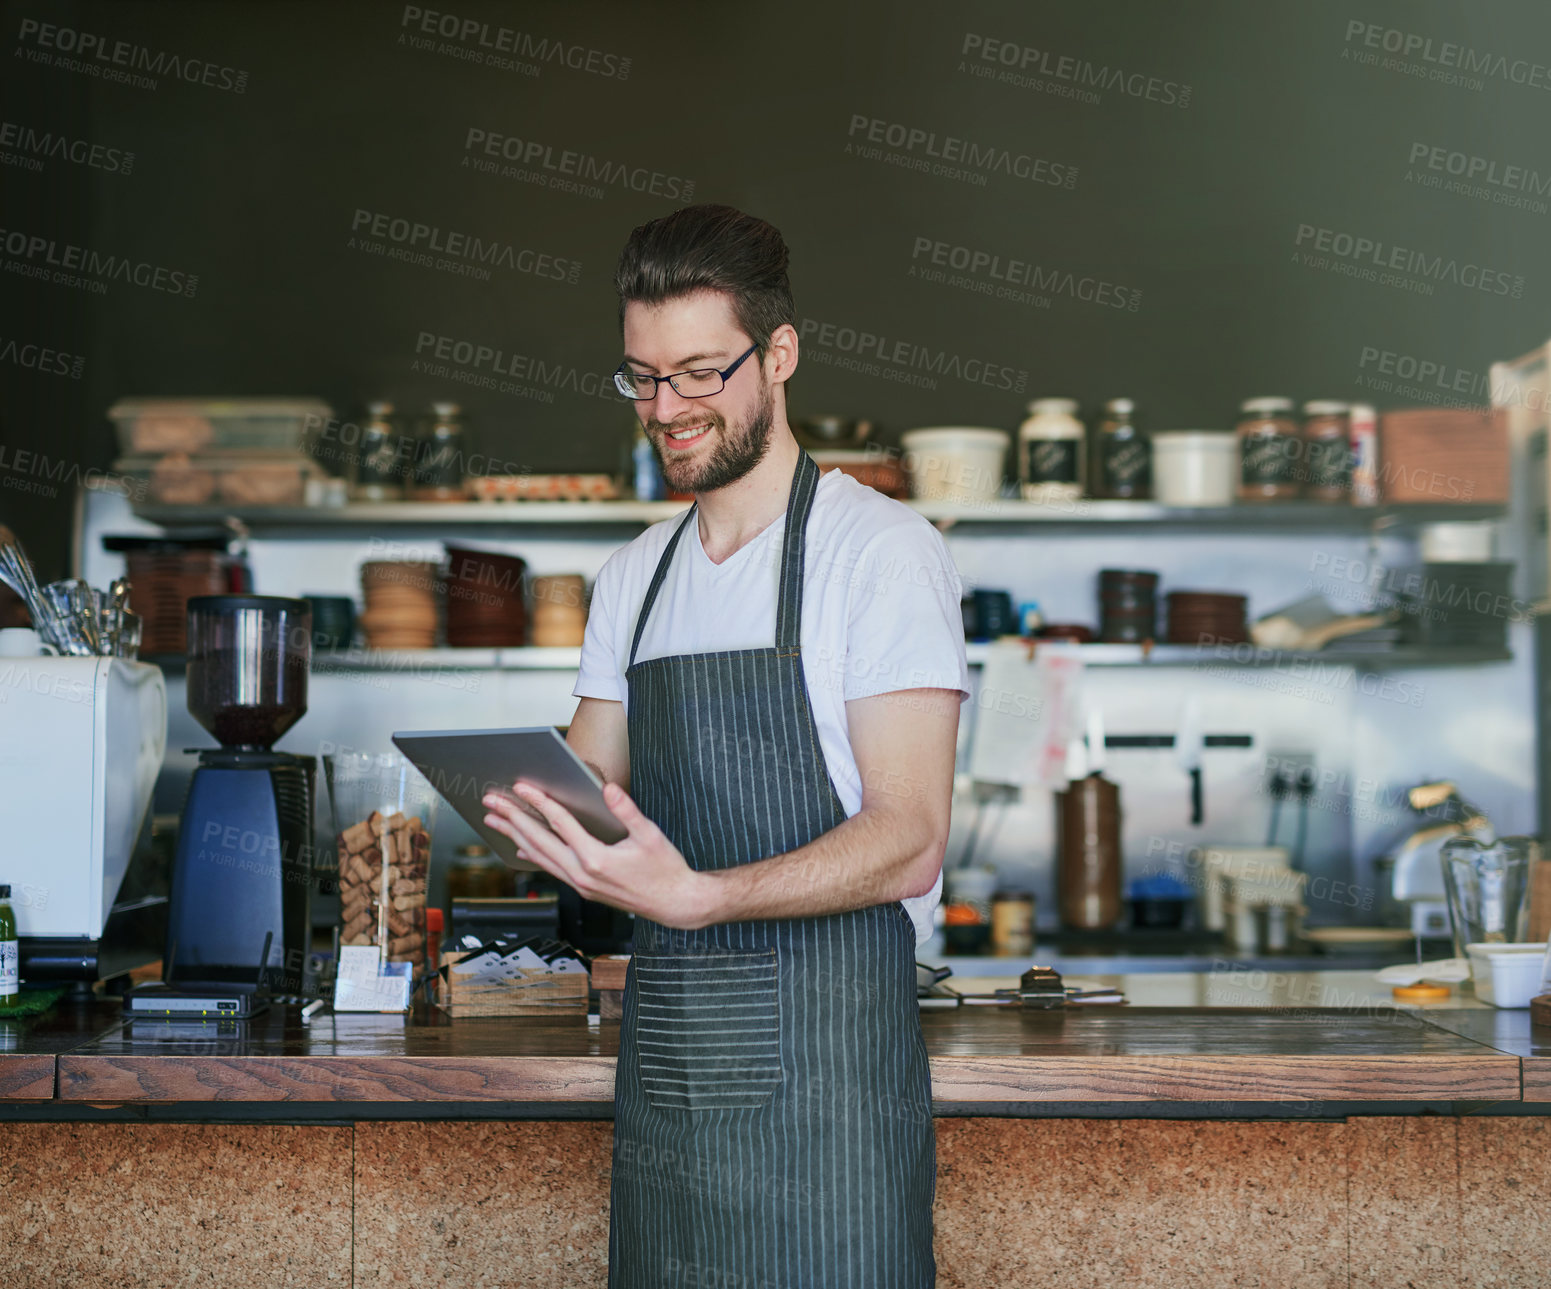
[[799, 504], [794, 553], [657, 579]]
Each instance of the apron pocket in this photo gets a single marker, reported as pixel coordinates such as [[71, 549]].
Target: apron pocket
[[708, 1029]]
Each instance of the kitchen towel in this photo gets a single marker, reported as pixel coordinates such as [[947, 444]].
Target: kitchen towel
[[1026, 711]]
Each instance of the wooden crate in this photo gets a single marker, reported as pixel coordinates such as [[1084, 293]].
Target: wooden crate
[[530, 993], [1443, 456], [608, 978]]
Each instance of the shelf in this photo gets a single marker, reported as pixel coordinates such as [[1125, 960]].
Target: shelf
[[1307, 664], [525, 658], [1292, 516], [449, 513]]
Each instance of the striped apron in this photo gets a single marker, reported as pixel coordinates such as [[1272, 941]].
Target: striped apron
[[772, 1110]]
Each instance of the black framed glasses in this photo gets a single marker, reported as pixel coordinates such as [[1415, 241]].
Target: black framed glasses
[[699, 383]]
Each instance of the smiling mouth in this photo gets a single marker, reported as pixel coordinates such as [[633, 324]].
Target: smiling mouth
[[680, 439]]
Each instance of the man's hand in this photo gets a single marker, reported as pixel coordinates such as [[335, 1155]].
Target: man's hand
[[643, 874]]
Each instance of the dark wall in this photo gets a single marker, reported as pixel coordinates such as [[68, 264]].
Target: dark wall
[[1190, 213]]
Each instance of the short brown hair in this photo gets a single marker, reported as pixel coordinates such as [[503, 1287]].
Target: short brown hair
[[710, 248]]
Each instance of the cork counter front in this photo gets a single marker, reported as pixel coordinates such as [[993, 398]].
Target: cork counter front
[[1428, 1203]]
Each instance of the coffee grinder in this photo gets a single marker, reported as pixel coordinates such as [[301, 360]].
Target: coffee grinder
[[240, 906]]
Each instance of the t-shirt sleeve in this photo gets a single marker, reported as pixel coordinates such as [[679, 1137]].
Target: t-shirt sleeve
[[599, 674], [906, 630]]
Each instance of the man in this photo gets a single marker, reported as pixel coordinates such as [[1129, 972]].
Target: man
[[776, 679]]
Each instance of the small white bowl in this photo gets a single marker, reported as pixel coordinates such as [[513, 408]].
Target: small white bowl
[[1506, 975]]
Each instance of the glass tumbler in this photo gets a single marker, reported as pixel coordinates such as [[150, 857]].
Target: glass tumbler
[[1486, 884]]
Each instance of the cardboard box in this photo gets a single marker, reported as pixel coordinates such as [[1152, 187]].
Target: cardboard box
[[1443, 456]]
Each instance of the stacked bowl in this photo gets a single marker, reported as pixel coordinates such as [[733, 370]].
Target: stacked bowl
[[1128, 606], [400, 604], [485, 608]]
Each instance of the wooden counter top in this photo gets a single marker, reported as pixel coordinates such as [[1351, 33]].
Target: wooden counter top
[[30, 1045], [1507, 1030], [986, 1054], [1222, 1054]]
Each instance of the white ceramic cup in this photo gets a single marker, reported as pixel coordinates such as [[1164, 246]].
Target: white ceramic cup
[[20, 642]]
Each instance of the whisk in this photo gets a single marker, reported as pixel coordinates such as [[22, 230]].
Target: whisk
[[69, 616]]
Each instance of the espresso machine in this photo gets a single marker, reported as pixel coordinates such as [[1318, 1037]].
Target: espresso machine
[[81, 744], [239, 917]]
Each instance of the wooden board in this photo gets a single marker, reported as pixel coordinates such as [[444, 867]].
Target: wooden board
[[27, 1069], [1506, 1029], [609, 970], [1226, 1078], [141, 1079], [1217, 1054], [26, 1078]]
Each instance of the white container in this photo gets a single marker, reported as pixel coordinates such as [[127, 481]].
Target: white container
[[1052, 462], [955, 463], [1195, 467], [20, 642], [1457, 543], [1506, 975], [1256, 874]]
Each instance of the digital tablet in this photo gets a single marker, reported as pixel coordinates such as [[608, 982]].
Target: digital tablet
[[463, 765]]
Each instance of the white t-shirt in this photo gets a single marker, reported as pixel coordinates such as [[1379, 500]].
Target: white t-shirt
[[880, 613]]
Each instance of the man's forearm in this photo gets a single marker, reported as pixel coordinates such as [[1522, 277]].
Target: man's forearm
[[874, 857]]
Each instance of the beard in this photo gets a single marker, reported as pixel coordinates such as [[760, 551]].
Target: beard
[[734, 452]]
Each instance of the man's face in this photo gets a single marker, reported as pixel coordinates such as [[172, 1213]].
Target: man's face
[[703, 443]]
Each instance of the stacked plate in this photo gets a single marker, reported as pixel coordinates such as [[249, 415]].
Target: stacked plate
[[400, 604], [1128, 605], [1207, 617], [1457, 604], [485, 608]]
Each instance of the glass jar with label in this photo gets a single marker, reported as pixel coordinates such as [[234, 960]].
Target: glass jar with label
[[1327, 452], [1122, 455], [1362, 423], [1270, 450], [382, 458], [10, 978], [1051, 459], [439, 460], [1012, 923]]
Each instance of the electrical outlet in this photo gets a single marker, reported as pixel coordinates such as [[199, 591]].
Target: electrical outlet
[[1289, 766]]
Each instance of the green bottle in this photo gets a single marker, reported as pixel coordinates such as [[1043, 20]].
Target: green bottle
[[10, 977]]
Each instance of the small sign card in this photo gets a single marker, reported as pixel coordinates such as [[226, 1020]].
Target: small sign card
[[366, 984]]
